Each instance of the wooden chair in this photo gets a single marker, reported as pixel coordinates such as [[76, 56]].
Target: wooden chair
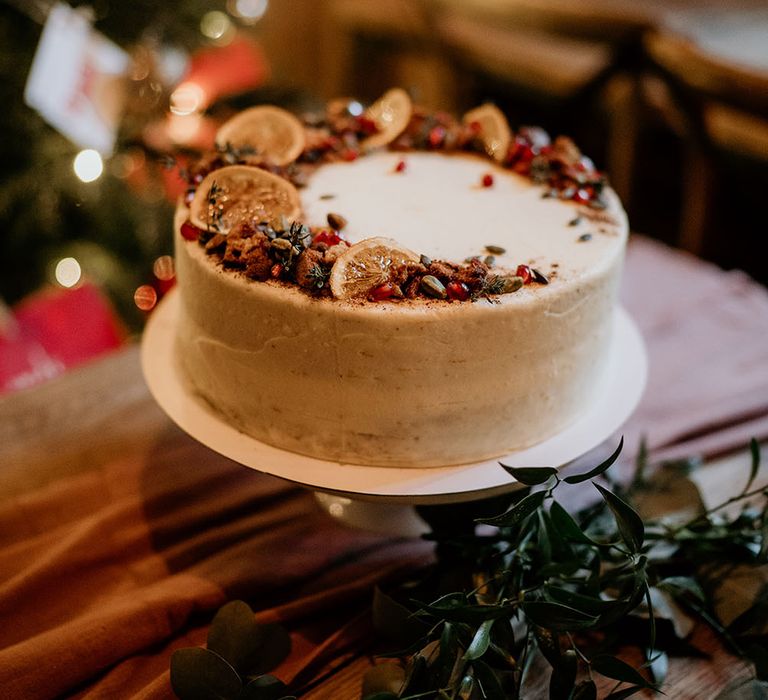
[[718, 106]]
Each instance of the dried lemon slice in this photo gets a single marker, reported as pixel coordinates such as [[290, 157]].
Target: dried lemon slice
[[391, 114], [240, 192], [274, 133], [367, 265], [494, 129]]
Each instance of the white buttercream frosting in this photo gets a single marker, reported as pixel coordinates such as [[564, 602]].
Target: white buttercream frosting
[[419, 382], [438, 206]]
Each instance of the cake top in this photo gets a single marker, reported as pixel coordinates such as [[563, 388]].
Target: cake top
[[395, 203]]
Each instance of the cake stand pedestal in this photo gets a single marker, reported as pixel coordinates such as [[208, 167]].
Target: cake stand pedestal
[[381, 498]]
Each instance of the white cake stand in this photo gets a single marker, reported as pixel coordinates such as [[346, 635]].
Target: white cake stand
[[381, 498]]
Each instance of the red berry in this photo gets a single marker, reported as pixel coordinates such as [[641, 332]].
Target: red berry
[[189, 232], [349, 155], [400, 167], [525, 272], [457, 291], [382, 292], [276, 270], [436, 136], [366, 125], [487, 180], [328, 236], [582, 195]]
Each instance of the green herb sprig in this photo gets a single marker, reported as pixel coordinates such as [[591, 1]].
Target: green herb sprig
[[535, 584]]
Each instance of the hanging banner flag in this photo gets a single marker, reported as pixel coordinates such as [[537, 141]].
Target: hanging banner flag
[[77, 80]]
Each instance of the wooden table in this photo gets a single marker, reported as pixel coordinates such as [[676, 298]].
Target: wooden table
[[104, 412]]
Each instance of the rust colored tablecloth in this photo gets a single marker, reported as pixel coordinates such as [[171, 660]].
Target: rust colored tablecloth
[[120, 536]]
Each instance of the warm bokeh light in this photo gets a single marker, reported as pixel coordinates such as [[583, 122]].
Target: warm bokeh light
[[248, 11], [145, 297], [163, 268], [88, 165], [355, 108], [68, 272], [216, 26], [187, 98], [184, 129]]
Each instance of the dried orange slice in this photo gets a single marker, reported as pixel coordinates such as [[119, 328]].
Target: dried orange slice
[[274, 133], [391, 114], [240, 192], [367, 265], [494, 129]]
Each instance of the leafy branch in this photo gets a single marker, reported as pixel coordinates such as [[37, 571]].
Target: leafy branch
[[535, 584]]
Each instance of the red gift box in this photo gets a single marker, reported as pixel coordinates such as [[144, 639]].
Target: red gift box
[[53, 330]]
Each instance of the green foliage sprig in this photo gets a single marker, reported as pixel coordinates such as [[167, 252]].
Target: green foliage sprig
[[535, 584], [235, 662]]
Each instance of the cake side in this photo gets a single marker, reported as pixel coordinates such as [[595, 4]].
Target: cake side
[[417, 383]]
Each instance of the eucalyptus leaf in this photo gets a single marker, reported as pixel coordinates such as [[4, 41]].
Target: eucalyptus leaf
[[480, 641], [383, 678], [201, 674], [530, 476], [630, 524], [613, 667], [235, 635], [586, 690], [490, 687], [275, 649], [517, 512], [265, 688], [599, 469], [556, 616]]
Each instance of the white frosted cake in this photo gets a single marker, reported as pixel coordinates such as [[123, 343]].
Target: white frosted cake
[[439, 306]]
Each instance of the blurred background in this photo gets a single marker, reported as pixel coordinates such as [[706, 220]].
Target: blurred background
[[671, 98]]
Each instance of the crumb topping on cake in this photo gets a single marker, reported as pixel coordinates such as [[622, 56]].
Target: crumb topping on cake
[[243, 205]]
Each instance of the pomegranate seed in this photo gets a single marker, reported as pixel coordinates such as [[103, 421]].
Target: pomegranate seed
[[189, 232], [366, 125], [525, 272], [382, 292], [457, 291], [331, 143], [487, 180], [349, 155], [276, 269], [328, 237], [436, 136], [582, 196], [400, 167]]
